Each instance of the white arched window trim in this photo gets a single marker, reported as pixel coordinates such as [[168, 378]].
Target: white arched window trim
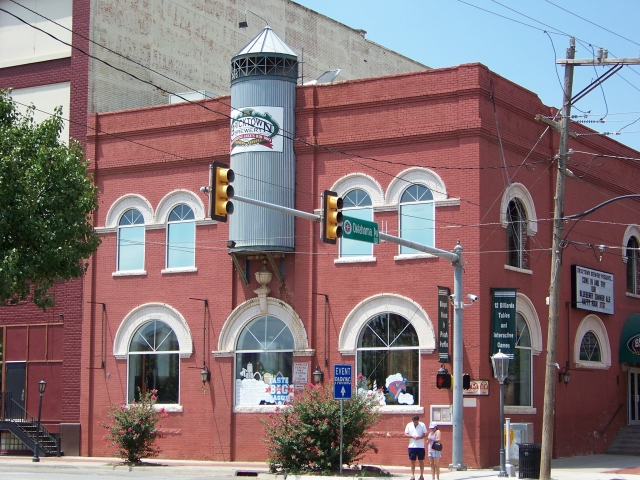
[[386, 303], [631, 231], [125, 203], [360, 181], [249, 310], [413, 175], [525, 307], [175, 198], [147, 313], [520, 192], [592, 323]]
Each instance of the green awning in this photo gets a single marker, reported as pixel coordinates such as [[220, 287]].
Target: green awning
[[630, 340]]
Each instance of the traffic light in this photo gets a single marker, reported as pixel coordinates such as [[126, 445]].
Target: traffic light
[[331, 217], [466, 381], [221, 191], [443, 378]]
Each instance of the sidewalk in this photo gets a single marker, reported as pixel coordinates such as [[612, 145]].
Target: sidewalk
[[593, 467]]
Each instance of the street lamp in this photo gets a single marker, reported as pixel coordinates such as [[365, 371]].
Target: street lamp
[[500, 363], [205, 374], [42, 385]]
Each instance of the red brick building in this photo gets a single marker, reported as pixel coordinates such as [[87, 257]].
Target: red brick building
[[421, 155]]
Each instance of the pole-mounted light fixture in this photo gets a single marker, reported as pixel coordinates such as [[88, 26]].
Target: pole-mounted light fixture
[[42, 386], [500, 363], [317, 375], [244, 23]]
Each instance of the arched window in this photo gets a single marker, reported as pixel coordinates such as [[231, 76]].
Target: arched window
[[264, 362], [590, 348], [357, 204], [181, 237], [517, 239], [154, 363], [632, 266], [417, 217], [518, 383], [131, 241], [388, 360]]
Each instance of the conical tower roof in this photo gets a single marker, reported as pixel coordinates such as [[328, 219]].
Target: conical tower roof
[[268, 42]]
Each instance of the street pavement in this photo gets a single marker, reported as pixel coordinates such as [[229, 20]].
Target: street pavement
[[592, 467]]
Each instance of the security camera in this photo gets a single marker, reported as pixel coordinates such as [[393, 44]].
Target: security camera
[[471, 297], [204, 189], [452, 297]]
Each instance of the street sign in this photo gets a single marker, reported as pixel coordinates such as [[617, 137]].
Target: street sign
[[361, 230], [342, 380]]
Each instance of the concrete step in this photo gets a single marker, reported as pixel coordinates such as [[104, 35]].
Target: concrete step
[[626, 441]]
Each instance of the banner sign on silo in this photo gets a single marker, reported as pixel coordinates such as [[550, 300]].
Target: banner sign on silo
[[503, 321], [256, 129], [443, 324]]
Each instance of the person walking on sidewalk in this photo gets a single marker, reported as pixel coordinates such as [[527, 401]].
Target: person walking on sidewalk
[[434, 455], [416, 431]]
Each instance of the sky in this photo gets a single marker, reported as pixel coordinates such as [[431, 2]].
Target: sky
[[444, 33]]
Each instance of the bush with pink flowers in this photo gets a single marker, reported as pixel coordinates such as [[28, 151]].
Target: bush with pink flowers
[[305, 435], [133, 428]]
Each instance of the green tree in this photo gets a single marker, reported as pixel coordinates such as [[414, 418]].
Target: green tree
[[46, 202], [305, 435]]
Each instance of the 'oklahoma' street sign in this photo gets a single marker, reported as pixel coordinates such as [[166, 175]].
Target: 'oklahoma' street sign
[[361, 230]]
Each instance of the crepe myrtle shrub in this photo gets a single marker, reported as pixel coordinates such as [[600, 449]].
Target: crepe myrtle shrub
[[133, 428], [304, 436]]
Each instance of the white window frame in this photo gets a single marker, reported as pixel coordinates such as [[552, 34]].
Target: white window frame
[[144, 314], [592, 323]]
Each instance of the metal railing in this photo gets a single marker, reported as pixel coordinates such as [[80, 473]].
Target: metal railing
[[14, 413]]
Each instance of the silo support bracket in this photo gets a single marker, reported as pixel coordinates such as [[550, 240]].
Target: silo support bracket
[[276, 270], [240, 270]]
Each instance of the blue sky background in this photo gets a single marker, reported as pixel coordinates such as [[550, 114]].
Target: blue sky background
[[442, 33]]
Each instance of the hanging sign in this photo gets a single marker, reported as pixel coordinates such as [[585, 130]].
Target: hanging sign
[[592, 289], [443, 324], [503, 321], [256, 129]]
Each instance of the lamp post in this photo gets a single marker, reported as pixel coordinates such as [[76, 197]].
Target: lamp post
[[500, 363], [42, 385]]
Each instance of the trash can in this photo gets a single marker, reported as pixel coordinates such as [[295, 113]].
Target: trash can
[[529, 460]]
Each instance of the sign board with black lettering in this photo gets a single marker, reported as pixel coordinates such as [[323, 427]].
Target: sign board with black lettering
[[592, 289], [503, 321]]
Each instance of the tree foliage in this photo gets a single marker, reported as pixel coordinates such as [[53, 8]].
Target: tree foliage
[[46, 202], [305, 436]]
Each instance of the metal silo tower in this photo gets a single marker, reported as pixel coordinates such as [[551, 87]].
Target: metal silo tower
[[264, 75]]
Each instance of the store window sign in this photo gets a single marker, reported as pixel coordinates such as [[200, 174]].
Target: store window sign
[[592, 290], [267, 389], [256, 129]]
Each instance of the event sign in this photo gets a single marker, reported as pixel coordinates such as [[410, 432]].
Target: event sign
[[503, 321], [256, 129], [342, 381], [443, 324], [592, 289]]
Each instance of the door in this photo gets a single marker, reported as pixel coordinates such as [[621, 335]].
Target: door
[[633, 399], [15, 387]]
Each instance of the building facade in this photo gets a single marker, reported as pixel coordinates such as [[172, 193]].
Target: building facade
[[418, 153]]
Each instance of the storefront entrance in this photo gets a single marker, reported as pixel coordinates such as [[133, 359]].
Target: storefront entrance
[[633, 397]]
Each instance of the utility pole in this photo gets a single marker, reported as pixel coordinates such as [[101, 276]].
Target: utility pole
[[554, 289], [550, 378]]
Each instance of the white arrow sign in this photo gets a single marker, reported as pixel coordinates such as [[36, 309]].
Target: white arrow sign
[[342, 391]]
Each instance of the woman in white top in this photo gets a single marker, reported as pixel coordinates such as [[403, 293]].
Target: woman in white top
[[434, 455]]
